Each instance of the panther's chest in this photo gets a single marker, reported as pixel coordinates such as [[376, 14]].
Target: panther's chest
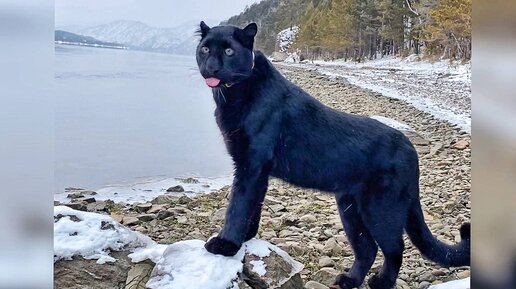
[[233, 132]]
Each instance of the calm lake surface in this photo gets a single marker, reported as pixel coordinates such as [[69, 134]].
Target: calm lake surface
[[123, 117]]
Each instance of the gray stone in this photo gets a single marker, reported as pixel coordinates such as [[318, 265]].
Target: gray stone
[[163, 199], [424, 285], [182, 220], [143, 207], [138, 275], [157, 208], [332, 247], [218, 215], [280, 274], [146, 217], [80, 206], [325, 261], [130, 221], [80, 273], [427, 276], [162, 215], [326, 276], [308, 218], [176, 189], [315, 285]]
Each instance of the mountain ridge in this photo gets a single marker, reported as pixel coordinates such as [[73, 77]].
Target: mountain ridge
[[138, 35]]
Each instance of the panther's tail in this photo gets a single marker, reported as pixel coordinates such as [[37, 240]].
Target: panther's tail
[[435, 250]]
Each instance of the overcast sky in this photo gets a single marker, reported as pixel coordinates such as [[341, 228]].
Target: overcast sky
[[159, 13]]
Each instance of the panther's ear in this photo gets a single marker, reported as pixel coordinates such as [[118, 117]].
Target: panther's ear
[[203, 30], [250, 30], [246, 35]]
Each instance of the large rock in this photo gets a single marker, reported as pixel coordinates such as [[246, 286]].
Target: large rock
[[265, 266], [268, 267], [80, 273], [95, 251]]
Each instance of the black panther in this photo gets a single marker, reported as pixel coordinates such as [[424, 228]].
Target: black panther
[[271, 127]]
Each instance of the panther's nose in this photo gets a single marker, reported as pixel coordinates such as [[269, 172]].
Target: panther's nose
[[212, 70], [212, 66]]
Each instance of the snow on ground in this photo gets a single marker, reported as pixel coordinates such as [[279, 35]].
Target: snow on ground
[[439, 88], [146, 191], [187, 261], [456, 284], [92, 236]]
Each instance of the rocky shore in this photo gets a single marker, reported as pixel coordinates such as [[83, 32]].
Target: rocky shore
[[304, 222]]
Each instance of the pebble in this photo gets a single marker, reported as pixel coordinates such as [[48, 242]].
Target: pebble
[[308, 218], [164, 214], [182, 220], [176, 189], [146, 217], [130, 221], [325, 261], [325, 276], [315, 285]]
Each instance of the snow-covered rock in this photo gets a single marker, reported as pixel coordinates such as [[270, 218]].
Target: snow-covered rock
[[258, 263], [93, 236], [187, 264], [82, 237], [286, 38]]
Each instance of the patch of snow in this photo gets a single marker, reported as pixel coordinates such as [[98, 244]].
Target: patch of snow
[[148, 190], [456, 284], [293, 57], [187, 264], [259, 267], [258, 248], [92, 236], [263, 249], [440, 88], [440, 111], [392, 123], [152, 252], [286, 38]]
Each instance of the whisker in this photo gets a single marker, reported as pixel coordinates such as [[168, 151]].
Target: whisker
[[223, 96]]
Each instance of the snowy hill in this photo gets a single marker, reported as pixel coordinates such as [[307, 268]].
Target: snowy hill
[[138, 35], [286, 38]]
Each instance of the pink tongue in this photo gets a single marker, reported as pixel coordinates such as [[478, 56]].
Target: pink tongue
[[212, 82]]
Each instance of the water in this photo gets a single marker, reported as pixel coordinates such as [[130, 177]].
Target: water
[[124, 117]]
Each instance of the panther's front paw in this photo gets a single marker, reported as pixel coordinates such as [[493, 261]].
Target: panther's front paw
[[221, 246]]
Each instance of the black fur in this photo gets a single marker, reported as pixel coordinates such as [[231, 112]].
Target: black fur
[[271, 127]]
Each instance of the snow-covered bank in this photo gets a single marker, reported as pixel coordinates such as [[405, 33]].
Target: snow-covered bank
[[439, 88], [148, 190]]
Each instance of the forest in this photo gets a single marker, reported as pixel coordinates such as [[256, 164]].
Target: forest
[[365, 29]]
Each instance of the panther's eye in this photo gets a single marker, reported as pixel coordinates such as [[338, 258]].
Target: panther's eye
[[229, 51], [205, 49]]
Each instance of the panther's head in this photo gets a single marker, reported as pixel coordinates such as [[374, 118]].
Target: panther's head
[[225, 54]]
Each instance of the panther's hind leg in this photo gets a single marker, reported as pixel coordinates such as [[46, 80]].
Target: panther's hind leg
[[361, 241], [385, 221]]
